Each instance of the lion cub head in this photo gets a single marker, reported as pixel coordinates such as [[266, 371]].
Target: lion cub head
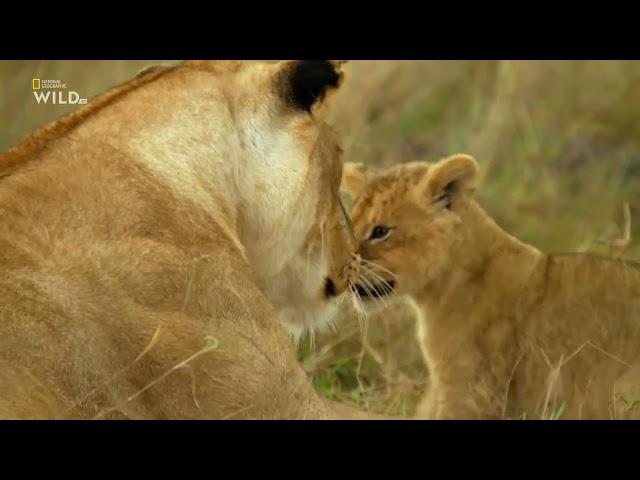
[[409, 221]]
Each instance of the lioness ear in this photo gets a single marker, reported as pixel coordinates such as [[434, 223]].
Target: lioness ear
[[353, 178], [448, 180], [304, 83]]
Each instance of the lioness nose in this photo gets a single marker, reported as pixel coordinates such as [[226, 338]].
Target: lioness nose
[[329, 288]]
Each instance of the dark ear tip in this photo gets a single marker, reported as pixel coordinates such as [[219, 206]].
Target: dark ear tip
[[307, 82]]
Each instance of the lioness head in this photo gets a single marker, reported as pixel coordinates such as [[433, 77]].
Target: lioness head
[[311, 253], [268, 155], [408, 221]]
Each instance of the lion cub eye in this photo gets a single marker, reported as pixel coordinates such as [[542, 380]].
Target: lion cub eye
[[380, 232]]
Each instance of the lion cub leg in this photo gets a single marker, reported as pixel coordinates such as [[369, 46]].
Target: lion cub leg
[[427, 408], [464, 401], [473, 401], [465, 387]]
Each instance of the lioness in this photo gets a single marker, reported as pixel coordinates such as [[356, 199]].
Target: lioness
[[506, 330], [146, 239]]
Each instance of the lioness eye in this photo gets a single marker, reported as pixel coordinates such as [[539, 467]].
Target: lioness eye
[[379, 232]]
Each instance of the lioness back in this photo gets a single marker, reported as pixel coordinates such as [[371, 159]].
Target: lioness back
[[506, 330]]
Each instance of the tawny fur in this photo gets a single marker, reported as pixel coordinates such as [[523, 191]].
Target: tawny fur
[[146, 238], [507, 331]]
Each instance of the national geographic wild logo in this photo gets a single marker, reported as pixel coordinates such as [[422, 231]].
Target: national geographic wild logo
[[55, 92]]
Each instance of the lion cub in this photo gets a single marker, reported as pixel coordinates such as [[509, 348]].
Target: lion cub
[[507, 331]]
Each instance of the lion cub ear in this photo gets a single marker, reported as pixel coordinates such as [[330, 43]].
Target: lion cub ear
[[304, 84], [449, 180], [354, 178]]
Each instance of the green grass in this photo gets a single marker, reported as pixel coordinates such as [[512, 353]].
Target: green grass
[[631, 401], [558, 413]]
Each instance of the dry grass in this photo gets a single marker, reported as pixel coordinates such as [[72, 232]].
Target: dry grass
[[558, 143]]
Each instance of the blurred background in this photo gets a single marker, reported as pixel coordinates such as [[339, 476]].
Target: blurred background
[[558, 143]]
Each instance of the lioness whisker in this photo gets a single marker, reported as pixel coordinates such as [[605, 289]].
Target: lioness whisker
[[312, 338], [361, 312]]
